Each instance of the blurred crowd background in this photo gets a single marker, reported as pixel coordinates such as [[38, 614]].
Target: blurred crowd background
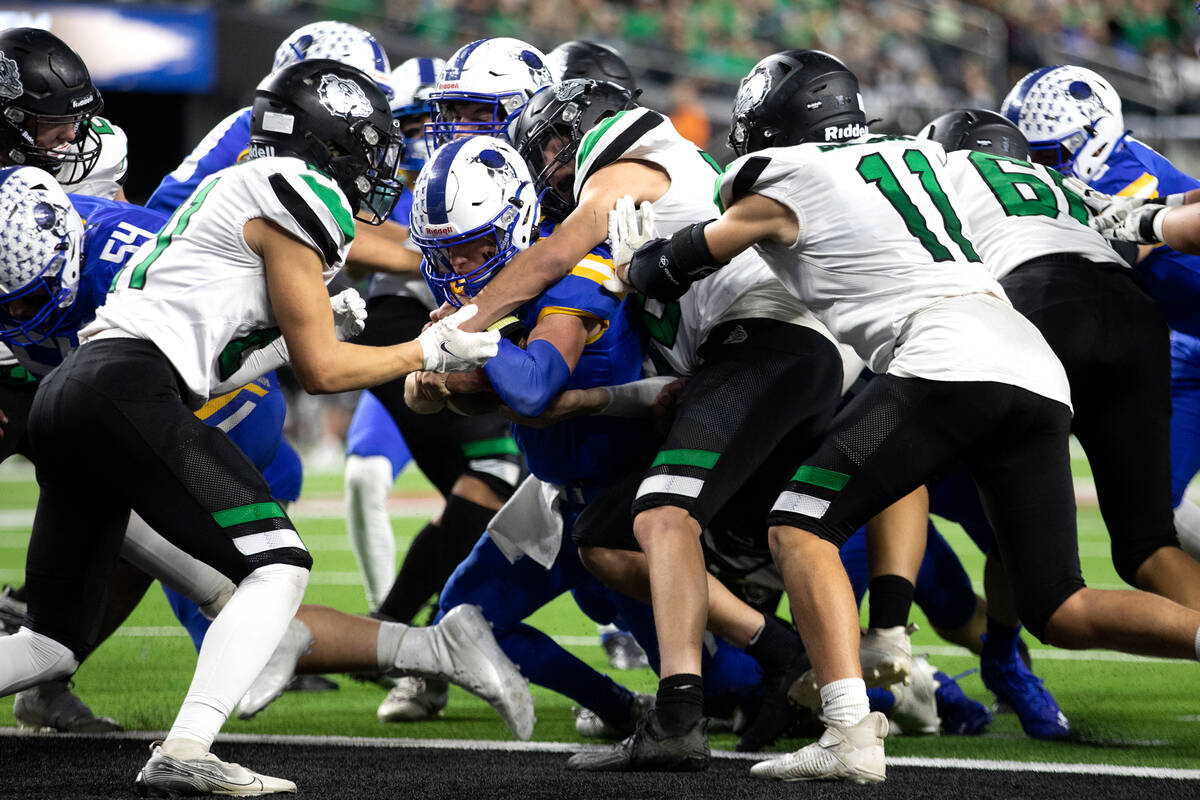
[[915, 58]]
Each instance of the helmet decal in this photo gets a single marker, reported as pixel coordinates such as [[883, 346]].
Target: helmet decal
[[1080, 90], [10, 78], [752, 91], [343, 98]]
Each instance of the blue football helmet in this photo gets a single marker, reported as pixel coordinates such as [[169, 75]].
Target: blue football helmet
[[476, 189], [412, 82], [500, 73], [41, 255], [1071, 117]]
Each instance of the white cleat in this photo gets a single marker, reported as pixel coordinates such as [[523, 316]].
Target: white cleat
[[414, 700], [470, 658], [886, 658], [853, 754], [166, 776], [915, 711], [590, 726], [279, 671]]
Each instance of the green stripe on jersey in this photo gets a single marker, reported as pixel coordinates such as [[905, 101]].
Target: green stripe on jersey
[[825, 478], [705, 459], [595, 135], [500, 446], [333, 202], [137, 278], [251, 513]]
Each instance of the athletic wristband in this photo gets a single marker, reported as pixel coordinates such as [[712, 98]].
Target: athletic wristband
[[1150, 226], [664, 269]]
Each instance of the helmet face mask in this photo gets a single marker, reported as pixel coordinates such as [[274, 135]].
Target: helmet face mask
[[474, 208], [336, 118], [500, 75], [41, 256], [44, 88], [551, 128], [413, 81]]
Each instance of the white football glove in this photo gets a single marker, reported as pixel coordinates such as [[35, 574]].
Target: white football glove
[[629, 227], [349, 314], [447, 349], [1141, 224], [255, 364]]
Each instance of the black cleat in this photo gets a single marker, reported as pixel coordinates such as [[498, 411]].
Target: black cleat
[[650, 749], [776, 716]]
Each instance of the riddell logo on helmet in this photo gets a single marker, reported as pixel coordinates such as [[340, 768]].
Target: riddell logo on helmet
[[444, 86], [434, 230], [851, 131]]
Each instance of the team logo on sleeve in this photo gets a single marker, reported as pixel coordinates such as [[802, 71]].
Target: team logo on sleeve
[[10, 78], [343, 98], [752, 91]]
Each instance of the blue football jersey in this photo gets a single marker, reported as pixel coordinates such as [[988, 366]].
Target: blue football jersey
[[591, 447], [224, 146], [1172, 278]]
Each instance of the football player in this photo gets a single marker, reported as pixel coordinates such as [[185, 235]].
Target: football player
[[1073, 121], [1063, 276], [257, 241], [961, 375]]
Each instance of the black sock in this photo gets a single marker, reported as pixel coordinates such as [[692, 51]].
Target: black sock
[[891, 600], [680, 702], [775, 647], [433, 556]]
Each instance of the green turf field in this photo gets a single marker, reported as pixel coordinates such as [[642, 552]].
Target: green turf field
[[1129, 712]]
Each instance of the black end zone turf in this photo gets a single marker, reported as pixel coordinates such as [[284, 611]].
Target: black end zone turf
[[43, 767]]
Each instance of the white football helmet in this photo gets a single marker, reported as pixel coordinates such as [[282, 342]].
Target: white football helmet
[[41, 254], [339, 41], [502, 73], [1071, 117], [475, 188], [412, 82]]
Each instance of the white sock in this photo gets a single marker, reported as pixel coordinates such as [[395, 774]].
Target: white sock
[[236, 649], [191, 577], [407, 650], [368, 481], [844, 702], [28, 658], [1187, 527]]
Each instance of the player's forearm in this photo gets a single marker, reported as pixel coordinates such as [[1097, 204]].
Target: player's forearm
[[345, 367], [381, 249], [1181, 228]]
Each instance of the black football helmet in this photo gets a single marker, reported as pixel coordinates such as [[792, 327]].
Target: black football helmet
[[555, 121], [43, 82], [582, 59], [337, 118], [976, 129], [793, 97]]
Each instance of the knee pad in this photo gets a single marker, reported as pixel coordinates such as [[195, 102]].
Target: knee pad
[[28, 658]]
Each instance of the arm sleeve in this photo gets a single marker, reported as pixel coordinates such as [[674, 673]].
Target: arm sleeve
[[527, 380]]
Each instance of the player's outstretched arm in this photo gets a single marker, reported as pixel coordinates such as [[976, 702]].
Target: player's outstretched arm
[[379, 248], [664, 269], [548, 260], [322, 363]]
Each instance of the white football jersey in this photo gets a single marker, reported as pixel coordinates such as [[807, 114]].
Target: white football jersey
[[743, 289], [882, 246], [198, 291], [1018, 211], [107, 177]]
